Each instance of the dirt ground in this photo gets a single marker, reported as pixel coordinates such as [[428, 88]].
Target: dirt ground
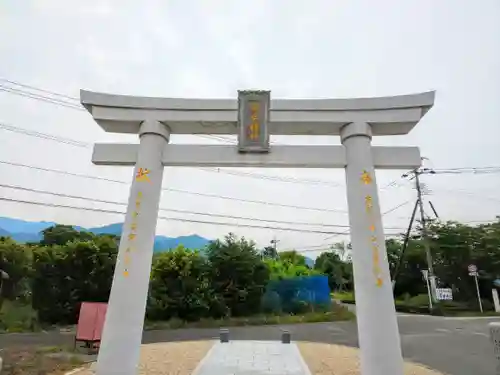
[[181, 358], [176, 358], [329, 359], [28, 360]]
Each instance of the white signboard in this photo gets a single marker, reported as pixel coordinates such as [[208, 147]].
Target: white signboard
[[444, 294]]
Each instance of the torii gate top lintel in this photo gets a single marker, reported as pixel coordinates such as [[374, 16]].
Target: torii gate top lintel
[[390, 115]]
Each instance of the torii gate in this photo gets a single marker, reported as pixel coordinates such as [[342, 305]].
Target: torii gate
[[254, 117]]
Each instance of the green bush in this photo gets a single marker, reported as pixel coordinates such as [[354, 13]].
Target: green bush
[[344, 297], [438, 310], [451, 306], [487, 305], [419, 300], [271, 303]]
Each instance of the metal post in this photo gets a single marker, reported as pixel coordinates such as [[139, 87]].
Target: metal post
[[426, 277], [122, 334], [478, 294], [224, 335], [375, 310], [425, 237], [286, 337]]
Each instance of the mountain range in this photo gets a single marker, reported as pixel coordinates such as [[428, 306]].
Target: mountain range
[[30, 231]]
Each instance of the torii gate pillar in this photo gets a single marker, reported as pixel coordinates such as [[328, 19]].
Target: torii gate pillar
[[378, 332], [355, 120], [122, 335]]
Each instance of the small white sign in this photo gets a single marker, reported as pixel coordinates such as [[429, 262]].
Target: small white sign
[[444, 294], [472, 268], [472, 273]]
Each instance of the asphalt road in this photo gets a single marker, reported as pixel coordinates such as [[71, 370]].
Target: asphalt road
[[456, 346]]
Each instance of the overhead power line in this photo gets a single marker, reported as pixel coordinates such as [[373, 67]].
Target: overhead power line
[[62, 195], [64, 102], [44, 136], [176, 190], [43, 98], [41, 90], [285, 229], [384, 213]]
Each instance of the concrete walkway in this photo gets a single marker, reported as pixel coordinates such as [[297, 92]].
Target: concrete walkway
[[253, 358]]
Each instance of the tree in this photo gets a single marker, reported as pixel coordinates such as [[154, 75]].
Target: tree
[[339, 272], [3, 277], [455, 246], [180, 287], [280, 270], [237, 274], [15, 261], [269, 252], [343, 250], [330, 264], [65, 276], [409, 279], [62, 234], [293, 257]]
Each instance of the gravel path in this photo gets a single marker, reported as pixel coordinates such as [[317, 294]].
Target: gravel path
[[329, 359], [177, 358], [181, 358]]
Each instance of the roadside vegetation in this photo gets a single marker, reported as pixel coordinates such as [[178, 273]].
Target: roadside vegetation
[[228, 282]]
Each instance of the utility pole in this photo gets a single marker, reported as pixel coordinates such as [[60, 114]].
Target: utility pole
[[425, 233], [274, 243], [415, 174]]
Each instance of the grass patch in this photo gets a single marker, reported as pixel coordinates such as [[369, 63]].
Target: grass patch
[[21, 318], [473, 314], [337, 313], [36, 361], [18, 317], [344, 297]]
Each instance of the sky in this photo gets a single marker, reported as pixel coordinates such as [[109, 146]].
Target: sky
[[211, 49]]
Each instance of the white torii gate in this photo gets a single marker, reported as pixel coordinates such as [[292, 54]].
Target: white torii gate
[[254, 117]]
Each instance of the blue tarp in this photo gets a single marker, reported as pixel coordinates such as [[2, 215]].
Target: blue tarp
[[297, 294]]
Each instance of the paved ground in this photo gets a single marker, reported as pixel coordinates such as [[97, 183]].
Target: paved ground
[[253, 357], [451, 345]]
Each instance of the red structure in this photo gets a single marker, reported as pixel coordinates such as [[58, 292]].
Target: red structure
[[91, 323]]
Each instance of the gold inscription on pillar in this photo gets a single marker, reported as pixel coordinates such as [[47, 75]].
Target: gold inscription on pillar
[[133, 225], [366, 179]]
